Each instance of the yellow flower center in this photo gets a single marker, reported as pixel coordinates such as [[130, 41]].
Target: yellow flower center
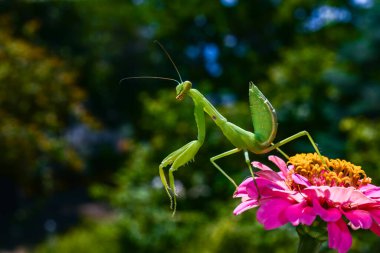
[[330, 172]]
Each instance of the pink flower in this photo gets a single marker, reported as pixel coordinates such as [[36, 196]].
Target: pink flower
[[334, 191]]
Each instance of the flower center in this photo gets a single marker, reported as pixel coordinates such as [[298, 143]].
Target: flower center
[[330, 172]]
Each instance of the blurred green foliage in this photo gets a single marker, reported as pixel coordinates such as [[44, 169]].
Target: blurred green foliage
[[38, 101], [61, 62]]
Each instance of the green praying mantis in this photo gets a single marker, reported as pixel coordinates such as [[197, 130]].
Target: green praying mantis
[[260, 141]]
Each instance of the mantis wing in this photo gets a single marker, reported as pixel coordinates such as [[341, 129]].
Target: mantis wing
[[263, 115]]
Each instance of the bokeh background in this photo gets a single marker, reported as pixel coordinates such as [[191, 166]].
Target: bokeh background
[[79, 152]]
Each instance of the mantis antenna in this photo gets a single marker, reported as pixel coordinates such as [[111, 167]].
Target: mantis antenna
[[158, 77], [148, 77], [168, 55]]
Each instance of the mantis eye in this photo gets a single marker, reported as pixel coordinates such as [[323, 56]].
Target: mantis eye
[[187, 85]]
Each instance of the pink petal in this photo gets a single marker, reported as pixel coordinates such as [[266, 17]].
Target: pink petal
[[241, 191], [339, 194], [359, 219], [275, 179], [339, 236], [272, 213], [301, 180], [244, 206], [260, 166], [308, 216], [328, 215], [368, 187], [315, 192], [267, 187], [371, 191], [269, 174], [252, 190], [375, 214], [375, 228], [245, 182], [300, 214], [358, 198], [293, 213], [279, 163]]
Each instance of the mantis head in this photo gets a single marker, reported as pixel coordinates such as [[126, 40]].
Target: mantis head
[[182, 89]]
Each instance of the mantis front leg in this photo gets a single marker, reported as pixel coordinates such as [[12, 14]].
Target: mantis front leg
[[182, 156]]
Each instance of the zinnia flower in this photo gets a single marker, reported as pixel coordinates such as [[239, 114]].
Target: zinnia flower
[[308, 190]]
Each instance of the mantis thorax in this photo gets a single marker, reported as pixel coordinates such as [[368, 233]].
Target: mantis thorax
[[182, 89]]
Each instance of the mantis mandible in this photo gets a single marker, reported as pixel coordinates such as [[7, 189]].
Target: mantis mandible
[[260, 141]]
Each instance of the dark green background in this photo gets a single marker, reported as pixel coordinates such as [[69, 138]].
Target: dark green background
[[79, 152]]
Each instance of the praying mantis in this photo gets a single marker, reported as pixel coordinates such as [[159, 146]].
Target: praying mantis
[[260, 141]]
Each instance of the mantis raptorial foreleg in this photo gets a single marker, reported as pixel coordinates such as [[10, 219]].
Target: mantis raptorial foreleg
[[183, 155], [177, 159]]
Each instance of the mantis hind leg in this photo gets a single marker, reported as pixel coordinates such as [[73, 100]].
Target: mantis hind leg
[[281, 152], [227, 153], [293, 137]]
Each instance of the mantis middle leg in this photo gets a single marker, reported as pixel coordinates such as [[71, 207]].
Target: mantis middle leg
[[246, 158], [227, 153]]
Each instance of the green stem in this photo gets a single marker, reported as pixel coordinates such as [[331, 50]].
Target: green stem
[[308, 244]]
